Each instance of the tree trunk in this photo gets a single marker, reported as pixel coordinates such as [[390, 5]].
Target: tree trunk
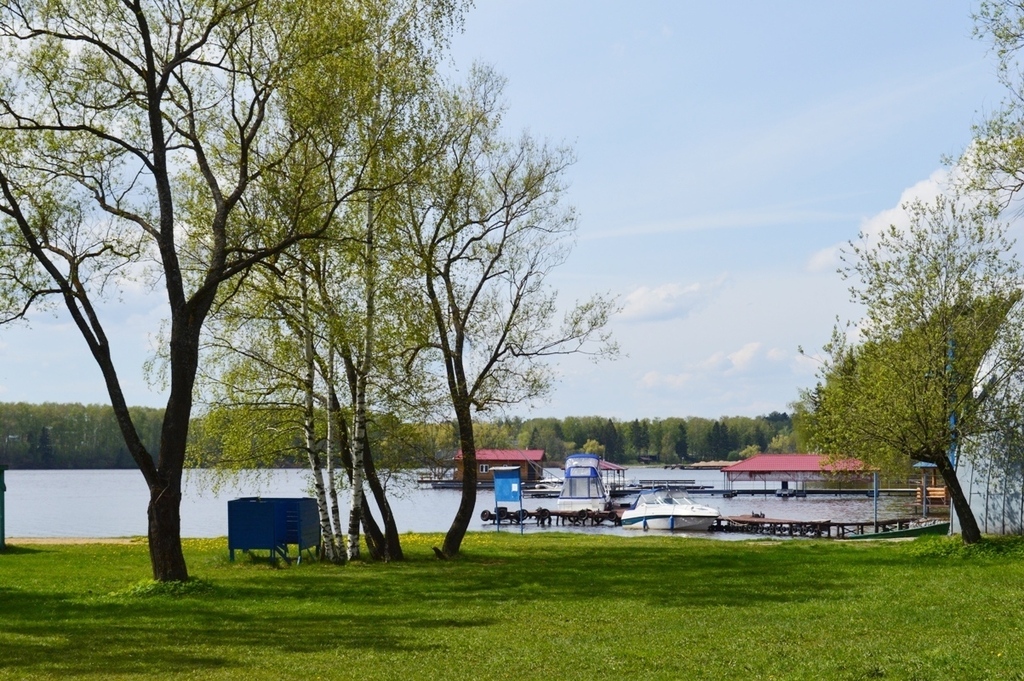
[[165, 554], [360, 451], [385, 546], [332, 419], [356, 506], [375, 543], [392, 544], [164, 480], [327, 531], [464, 515], [969, 530]]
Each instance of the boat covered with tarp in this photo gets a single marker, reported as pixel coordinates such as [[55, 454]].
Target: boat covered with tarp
[[582, 486]]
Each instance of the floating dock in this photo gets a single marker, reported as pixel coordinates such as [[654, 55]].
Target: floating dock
[[750, 524], [813, 528]]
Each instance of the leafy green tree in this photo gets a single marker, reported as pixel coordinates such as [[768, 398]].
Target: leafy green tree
[[612, 441], [941, 341], [638, 437], [749, 451], [697, 437], [994, 161], [78, 436], [325, 328], [130, 134], [718, 442], [493, 435], [682, 446], [781, 444], [485, 228], [45, 447], [546, 434]]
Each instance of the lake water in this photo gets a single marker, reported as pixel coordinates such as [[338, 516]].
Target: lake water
[[112, 503]]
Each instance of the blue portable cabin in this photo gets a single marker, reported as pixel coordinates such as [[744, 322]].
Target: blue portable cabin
[[272, 524]]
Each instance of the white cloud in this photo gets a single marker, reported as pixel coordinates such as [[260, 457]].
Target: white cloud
[[718, 364], [825, 259], [777, 354], [668, 301], [714, 362], [759, 217], [870, 228], [926, 190], [655, 379], [807, 364], [731, 362], [742, 358]]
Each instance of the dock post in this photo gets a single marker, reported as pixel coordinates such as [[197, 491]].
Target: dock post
[[874, 489]]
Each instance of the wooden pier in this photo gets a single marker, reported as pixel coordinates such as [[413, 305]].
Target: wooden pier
[[751, 524], [808, 528]]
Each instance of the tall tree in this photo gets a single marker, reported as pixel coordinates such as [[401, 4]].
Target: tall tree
[[612, 441], [682, 447], [994, 161], [342, 298], [940, 342], [486, 227], [117, 119]]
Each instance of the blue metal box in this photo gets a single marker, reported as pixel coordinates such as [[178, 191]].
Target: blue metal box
[[271, 524]]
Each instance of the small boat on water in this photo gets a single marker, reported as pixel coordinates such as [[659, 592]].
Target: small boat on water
[[668, 509], [546, 488], [582, 487]]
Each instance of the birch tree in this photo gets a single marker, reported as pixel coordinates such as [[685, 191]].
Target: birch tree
[[353, 278]]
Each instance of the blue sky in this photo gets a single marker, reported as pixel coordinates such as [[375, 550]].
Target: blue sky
[[725, 150]]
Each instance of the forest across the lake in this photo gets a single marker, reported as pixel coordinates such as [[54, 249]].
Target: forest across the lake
[[60, 436]]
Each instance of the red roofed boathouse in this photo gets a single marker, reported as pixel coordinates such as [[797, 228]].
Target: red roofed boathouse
[[529, 461]]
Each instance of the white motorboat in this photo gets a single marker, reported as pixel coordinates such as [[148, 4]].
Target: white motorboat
[[668, 509], [543, 488], [582, 487]]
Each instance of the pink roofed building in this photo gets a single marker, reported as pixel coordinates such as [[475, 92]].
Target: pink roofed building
[[529, 461], [796, 468]]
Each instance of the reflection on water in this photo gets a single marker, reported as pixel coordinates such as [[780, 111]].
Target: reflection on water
[[113, 503]]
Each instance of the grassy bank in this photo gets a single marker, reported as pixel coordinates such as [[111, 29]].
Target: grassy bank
[[544, 606]]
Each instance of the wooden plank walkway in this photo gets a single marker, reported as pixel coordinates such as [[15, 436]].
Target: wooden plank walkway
[[750, 524], [807, 528]]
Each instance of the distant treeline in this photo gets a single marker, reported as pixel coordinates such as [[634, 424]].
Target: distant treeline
[[669, 440], [42, 436], [53, 435]]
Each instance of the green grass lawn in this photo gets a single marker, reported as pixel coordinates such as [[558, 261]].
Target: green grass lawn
[[552, 606]]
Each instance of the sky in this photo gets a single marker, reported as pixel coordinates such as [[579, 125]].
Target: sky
[[726, 152]]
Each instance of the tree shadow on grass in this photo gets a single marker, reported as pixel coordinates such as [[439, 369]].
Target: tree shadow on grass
[[648, 571], [286, 615], [659, 573], [45, 634], [16, 550]]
